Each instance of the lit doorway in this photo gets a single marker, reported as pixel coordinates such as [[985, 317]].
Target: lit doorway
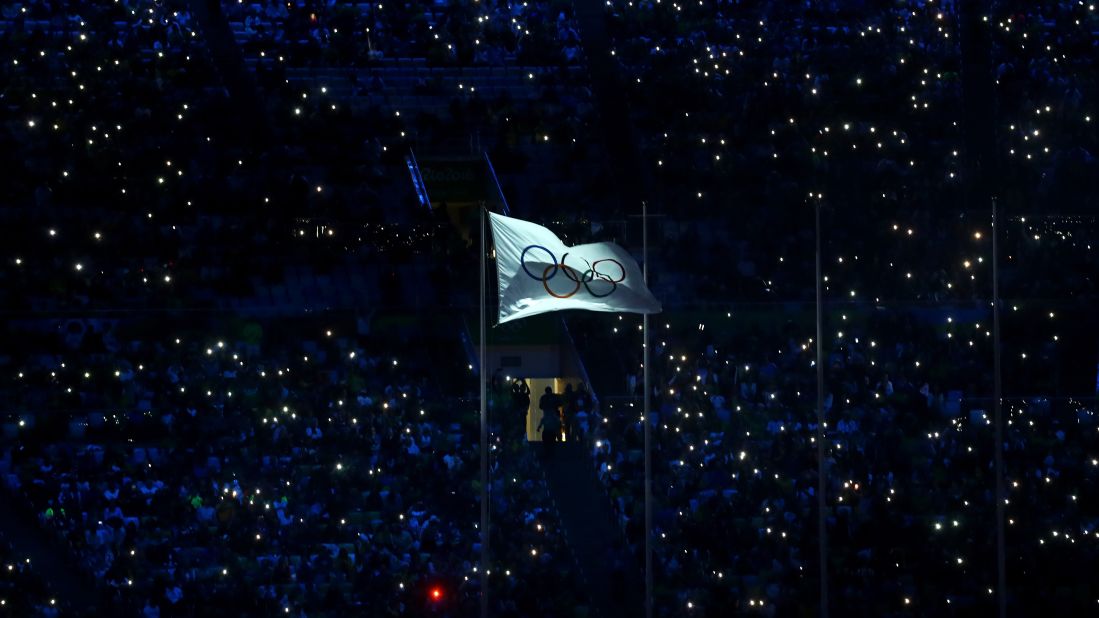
[[534, 413]]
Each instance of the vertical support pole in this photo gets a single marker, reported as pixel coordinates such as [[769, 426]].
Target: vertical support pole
[[646, 422], [822, 531], [484, 432], [997, 408]]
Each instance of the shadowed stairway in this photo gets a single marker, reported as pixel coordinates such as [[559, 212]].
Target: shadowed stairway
[[606, 567]]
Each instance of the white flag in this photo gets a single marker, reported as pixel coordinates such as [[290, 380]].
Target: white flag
[[538, 273]]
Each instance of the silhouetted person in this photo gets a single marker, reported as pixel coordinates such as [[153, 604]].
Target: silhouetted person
[[551, 419], [520, 403], [520, 395]]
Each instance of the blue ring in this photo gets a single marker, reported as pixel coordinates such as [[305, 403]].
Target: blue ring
[[523, 263]]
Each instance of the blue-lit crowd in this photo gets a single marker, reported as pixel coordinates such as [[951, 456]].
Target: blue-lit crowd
[[178, 423], [749, 117], [227, 387]]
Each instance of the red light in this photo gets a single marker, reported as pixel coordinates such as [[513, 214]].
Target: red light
[[436, 594]]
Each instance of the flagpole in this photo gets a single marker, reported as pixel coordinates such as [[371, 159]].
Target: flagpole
[[645, 420], [484, 432], [998, 415], [822, 529]]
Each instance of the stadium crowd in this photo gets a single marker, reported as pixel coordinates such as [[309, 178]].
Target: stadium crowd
[[749, 115], [121, 128], [352, 33], [187, 474], [23, 590], [272, 472], [274, 468], [909, 467]]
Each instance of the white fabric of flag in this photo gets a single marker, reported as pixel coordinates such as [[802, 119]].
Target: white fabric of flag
[[537, 274]]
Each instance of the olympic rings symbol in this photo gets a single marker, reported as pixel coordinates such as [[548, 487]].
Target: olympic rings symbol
[[590, 275]]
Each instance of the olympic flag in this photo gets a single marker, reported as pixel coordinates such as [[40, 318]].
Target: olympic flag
[[537, 273]]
